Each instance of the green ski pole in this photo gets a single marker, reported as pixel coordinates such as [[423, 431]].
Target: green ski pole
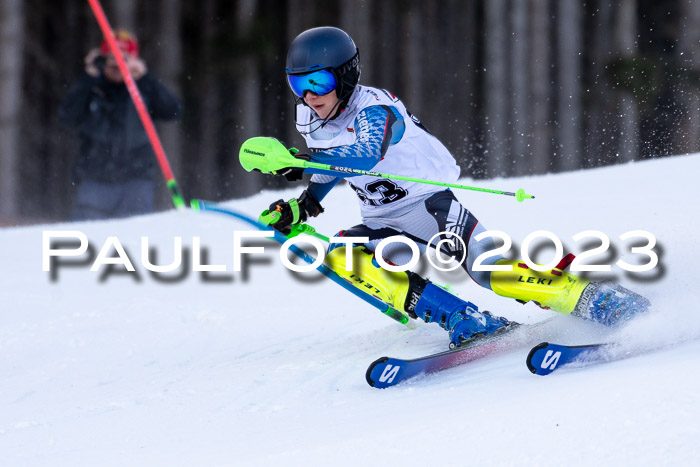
[[268, 155], [520, 195]]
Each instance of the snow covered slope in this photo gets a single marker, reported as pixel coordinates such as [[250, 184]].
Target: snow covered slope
[[266, 367]]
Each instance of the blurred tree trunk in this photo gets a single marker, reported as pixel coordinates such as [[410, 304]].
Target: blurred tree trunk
[[540, 65], [124, 15], [295, 21], [469, 74], [354, 17], [165, 57], [411, 44], [355, 20], [688, 91], [601, 124], [461, 61], [204, 163], [432, 102], [626, 45], [12, 34], [386, 71], [246, 109], [569, 104], [520, 78], [496, 89]]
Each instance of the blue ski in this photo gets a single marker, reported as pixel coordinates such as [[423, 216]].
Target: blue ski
[[387, 371], [546, 358]]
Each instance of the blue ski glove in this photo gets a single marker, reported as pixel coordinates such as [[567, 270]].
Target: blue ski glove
[[291, 212]]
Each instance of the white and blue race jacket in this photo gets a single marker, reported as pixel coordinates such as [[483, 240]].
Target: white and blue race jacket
[[376, 133]]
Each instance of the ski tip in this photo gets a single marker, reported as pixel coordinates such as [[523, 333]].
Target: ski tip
[[531, 354], [368, 374]]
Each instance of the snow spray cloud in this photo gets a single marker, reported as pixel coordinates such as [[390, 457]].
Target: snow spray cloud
[[57, 244]]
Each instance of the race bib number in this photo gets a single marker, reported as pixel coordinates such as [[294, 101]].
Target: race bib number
[[380, 193]]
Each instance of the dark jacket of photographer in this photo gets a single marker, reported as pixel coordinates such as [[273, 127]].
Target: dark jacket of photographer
[[114, 147]]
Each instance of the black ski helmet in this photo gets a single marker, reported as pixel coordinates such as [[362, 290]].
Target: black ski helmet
[[326, 48]]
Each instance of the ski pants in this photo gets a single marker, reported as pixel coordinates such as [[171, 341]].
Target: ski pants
[[436, 213], [100, 200]]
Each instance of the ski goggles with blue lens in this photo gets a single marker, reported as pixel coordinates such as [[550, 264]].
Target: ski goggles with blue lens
[[319, 82]]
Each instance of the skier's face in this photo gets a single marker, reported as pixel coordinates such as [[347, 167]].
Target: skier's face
[[322, 105]]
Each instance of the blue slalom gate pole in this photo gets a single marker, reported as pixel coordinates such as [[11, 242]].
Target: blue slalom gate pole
[[388, 310]]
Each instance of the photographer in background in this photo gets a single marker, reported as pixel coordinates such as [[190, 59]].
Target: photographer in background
[[114, 173]]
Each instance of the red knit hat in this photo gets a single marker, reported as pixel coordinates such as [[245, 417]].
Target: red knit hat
[[126, 41]]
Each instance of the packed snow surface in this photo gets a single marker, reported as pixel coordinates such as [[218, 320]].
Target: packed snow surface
[[266, 367]]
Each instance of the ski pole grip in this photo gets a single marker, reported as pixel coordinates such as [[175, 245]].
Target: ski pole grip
[[268, 218]]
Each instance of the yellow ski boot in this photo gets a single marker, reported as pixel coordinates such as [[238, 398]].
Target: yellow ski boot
[[390, 287], [604, 302], [418, 297], [553, 289]]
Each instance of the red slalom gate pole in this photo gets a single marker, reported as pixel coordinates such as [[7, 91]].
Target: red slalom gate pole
[[178, 200]]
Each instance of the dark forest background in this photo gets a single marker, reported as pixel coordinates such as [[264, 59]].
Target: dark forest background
[[512, 87]]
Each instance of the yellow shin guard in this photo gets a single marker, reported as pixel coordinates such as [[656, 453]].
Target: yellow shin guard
[[554, 289], [389, 287]]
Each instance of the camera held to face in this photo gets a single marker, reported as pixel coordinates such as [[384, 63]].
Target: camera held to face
[[99, 63]]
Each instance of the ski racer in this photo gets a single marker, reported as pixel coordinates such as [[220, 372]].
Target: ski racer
[[360, 127]]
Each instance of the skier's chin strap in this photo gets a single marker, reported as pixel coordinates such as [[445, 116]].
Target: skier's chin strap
[[335, 112]]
